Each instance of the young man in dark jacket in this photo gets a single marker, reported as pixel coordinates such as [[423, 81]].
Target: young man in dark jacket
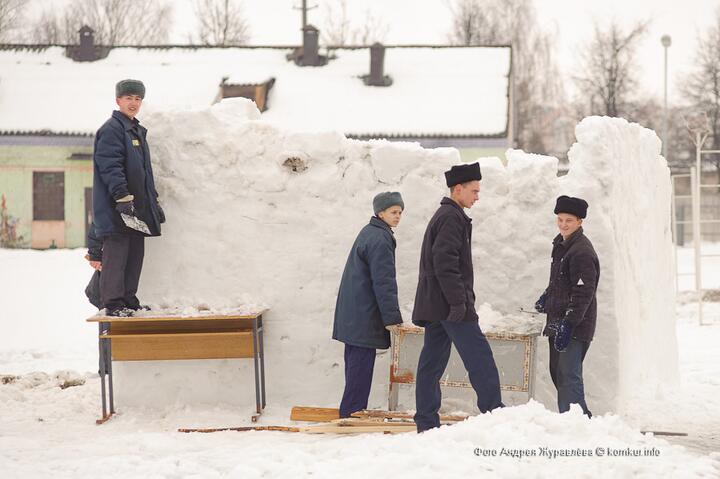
[[569, 302], [123, 184], [367, 303], [445, 303]]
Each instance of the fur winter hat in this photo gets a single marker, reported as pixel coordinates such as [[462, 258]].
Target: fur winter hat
[[385, 200], [129, 87], [570, 205], [462, 174]]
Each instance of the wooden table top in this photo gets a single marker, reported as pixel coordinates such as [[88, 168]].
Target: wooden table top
[[166, 317]]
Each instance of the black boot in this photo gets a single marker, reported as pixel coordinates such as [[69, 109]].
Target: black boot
[[119, 312]]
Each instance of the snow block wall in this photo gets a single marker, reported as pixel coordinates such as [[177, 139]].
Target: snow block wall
[[263, 217]]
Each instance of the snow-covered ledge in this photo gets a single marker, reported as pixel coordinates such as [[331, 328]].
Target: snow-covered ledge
[[260, 216]]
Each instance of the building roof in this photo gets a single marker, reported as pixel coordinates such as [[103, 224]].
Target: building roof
[[435, 91]]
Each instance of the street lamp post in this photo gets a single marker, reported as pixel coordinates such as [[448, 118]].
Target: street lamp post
[[666, 42]]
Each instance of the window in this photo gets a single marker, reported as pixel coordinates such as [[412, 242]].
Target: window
[[48, 195]]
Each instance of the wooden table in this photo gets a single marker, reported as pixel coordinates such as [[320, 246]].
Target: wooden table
[[151, 338]]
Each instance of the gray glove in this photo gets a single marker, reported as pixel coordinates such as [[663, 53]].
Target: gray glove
[[457, 313]]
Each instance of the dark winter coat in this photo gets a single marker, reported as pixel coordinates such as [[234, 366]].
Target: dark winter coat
[[574, 277], [446, 269], [121, 166], [95, 244], [368, 296]]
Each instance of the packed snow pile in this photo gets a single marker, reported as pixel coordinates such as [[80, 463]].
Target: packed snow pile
[[49, 432], [259, 215]]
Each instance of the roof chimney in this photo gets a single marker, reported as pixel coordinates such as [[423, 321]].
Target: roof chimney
[[86, 51], [310, 55], [377, 67]]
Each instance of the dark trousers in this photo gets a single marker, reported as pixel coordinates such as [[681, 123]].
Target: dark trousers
[[566, 374], [359, 364], [477, 357], [122, 261]]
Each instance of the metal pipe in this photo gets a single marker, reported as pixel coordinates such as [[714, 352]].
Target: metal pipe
[[673, 229], [666, 42], [696, 233]]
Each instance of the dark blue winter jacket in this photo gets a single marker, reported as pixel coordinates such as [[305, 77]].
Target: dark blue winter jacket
[[368, 296], [446, 274], [121, 166]]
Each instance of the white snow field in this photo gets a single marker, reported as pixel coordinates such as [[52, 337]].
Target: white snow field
[[246, 231]]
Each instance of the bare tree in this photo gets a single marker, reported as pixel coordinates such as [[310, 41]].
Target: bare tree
[[57, 27], [536, 85], [221, 22], [475, 22], [129, 22], [608, 77], [373, 29], [115, 22], [702, 85], [11, 13], [338, 29]]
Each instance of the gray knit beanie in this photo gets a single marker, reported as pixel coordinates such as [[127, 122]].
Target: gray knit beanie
[[129, 87], [386, 199]]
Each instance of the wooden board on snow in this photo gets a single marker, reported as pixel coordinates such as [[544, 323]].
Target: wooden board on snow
[[326, 414], [314, 414]]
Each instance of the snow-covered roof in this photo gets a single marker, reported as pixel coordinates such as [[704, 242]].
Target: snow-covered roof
[[435, 91]]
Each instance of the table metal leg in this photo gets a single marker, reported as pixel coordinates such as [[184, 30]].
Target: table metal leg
[[262, 360], [531, 373], [101, 369], [108, 355], [256, 354], [394, 388], [393, 396]]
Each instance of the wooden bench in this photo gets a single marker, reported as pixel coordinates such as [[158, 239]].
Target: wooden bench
[[151, 338]]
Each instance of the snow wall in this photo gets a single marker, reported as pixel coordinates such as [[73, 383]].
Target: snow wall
[[260, 216]]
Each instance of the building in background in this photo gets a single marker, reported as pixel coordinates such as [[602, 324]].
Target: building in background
[[53, 99]]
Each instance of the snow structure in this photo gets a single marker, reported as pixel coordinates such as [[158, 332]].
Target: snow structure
[[258, 216]]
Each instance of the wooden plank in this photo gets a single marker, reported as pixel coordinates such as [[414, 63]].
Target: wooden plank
[[235, 334], [371, 421], [221, 317], [402, 415], [182, 346], [383, 427], [325, 414], [412, 329], [664, 433], [314, 414], [194, 326], [387, 428], [243, 429]]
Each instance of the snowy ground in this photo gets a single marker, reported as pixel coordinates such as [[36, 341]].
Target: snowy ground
[[47, 430]]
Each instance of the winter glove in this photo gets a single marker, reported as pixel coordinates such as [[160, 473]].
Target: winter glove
[[125, 207], [563, 336], [457, 313], [540, 303], [161, 214]]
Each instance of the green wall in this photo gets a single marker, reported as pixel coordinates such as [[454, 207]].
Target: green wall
[[17, 164], [472, 154]]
